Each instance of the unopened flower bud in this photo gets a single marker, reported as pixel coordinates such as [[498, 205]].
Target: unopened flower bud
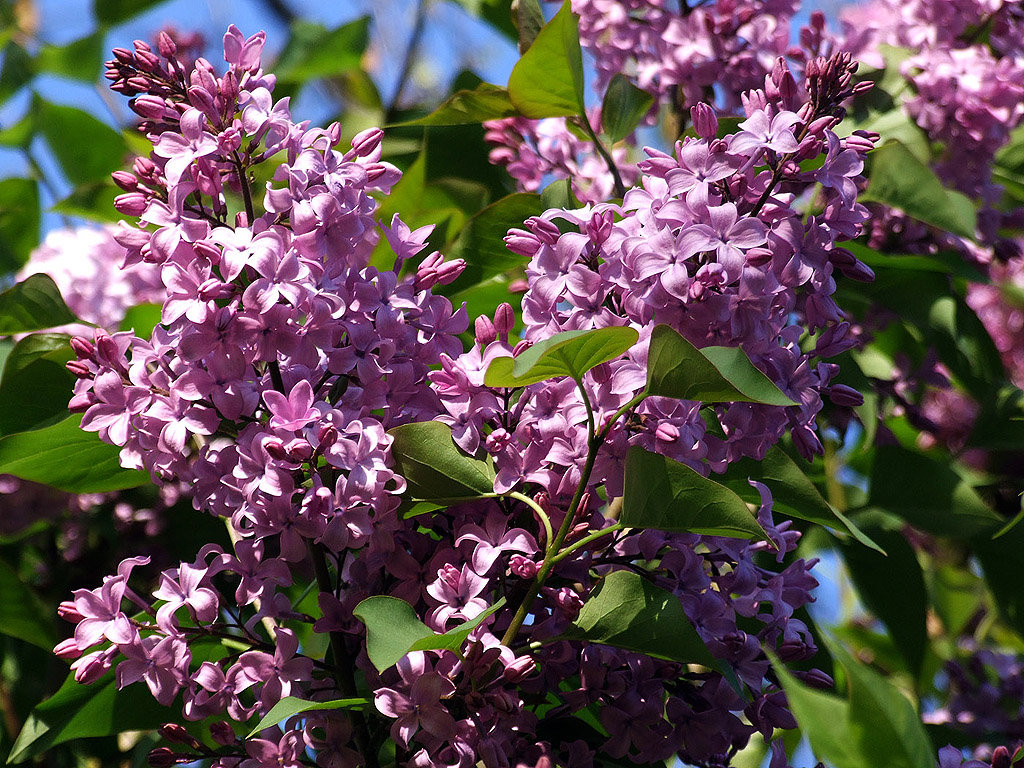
[[162, 757], [519, 669], [367, 143], [523, 567], [328, 434], [80, 403], [485, 332], [78, 369], [705, 122], [125, 180], [521, 347], [504, 320], [859, 271], [67, 649], [131, 203], [758, 257], [299, 449], [166, 45], [178, 734], [840, 394], [222, 733], [82, 347], [449, 271]]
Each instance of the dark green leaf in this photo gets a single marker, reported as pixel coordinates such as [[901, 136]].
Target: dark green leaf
[[79, 711], [528, 18], [116, 11], [929, 494], [793, 493], [903, 610], [627, 611], [676, 368], [434, 467], [36, 387], [956, 594], [393, 629], [34, 304], [623, 108], [485, 102], [19, 222], [87, 149], [1000, 564], [313, 52], [290, 706], [668, 495], [902, 181], [481, 243], [22, 614], [65, 457], [78, 60], [548, 80], [18, 69], [559, 194]]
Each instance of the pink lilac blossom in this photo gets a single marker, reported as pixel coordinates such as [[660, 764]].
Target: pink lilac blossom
[[283, 359]]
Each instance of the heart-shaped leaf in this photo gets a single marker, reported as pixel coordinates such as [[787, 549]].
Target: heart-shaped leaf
[[548, 80], [33, 305], [434, 467], [676, 368], [667, 495], [570, 353], [290, 706]]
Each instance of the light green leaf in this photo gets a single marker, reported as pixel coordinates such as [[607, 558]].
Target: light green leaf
[[142, 319], [902, 181], [676, 368], [485, 102], [290, 706], [570, 353], [623, 108], [548, 80], [34, 304], [627, 611], [667, 495], [22, 614], [93, 201], [65, 457], [393, 629], [313, 51], [79, 60], [36, 387], [434, 467]]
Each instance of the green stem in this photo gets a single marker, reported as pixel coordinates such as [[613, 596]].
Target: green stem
[[590, 410], [586, 540], [620, 187], [545, 520], [342, 663]]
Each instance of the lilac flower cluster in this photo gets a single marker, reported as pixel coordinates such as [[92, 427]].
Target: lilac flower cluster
[[282, 359]]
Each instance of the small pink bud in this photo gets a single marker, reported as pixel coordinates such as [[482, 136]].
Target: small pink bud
[[1000, 757], [450, 271], [125, 180], [485, 332], [327, 436], [222, 733], [758, 257], [504, 320], [82, 347], [519, 669], [162, 757], [82, 402], [840, 394], [67, 649], [367, 143], [78, 369], [131, 203], [705, 122], [523, 567], [166, 45], [299, 449]]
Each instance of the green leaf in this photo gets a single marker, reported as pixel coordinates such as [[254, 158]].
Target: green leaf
[[79, 711], [559, 194], [570, 353], [623, 108], [793, 493], [668, 495], [929, 494], [548, 80], [65, 457], [142, 319], [528, 18], [627, 611], [876, 726], [22, 614], [485, 102], [1000, 564], [36, 387], [34, 304], [434, 467], [79, 60], [93, 201], [903, 610], [314, 52], [116, 11], [19, 223], [481, 243], [676, 368], [393, 629], [902, 181], [87, 149], [290, 706]]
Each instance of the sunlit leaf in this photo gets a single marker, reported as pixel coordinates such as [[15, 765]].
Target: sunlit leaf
[[548, 80], [434, 467], [570, 353]]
